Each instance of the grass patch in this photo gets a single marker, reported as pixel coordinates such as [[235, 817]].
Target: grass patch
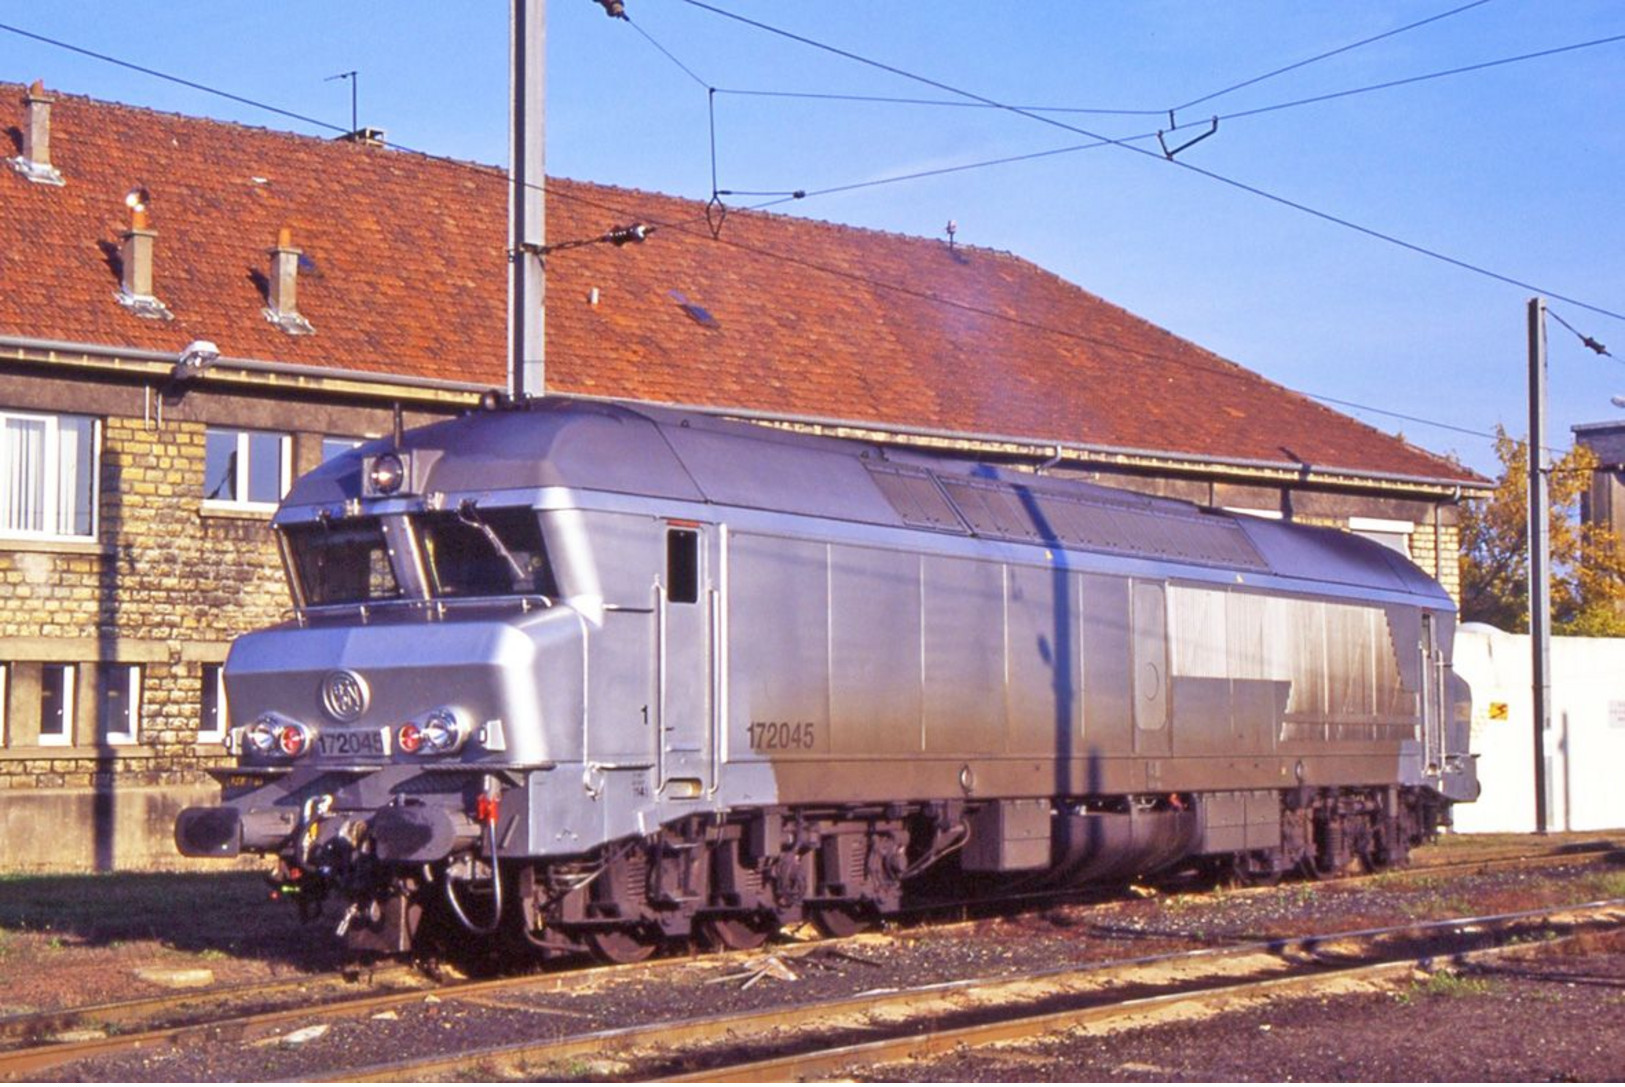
[[1446, 985], [1606, 885]]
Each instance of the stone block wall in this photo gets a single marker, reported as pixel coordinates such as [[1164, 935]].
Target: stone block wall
[[164, 588]]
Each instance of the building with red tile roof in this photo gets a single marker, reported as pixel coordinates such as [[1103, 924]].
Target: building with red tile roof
[[337, 279]]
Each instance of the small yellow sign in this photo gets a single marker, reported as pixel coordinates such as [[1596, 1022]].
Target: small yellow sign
[[1498, 711]]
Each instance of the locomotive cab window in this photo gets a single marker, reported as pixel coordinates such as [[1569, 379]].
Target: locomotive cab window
[[682, 565], [474, 552], [344, 563]]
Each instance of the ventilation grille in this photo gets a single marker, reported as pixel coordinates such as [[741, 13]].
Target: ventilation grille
[[1126, 525]]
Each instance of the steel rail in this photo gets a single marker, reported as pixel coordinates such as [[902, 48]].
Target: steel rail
[[123, 1013], [15, 1063], [669, 1035], [22, 1061], [832, 1061]]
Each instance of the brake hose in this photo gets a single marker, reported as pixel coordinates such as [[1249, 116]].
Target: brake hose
[[496, 890]]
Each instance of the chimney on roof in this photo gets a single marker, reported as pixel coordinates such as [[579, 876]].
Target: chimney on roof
[[283, 289], [35, 161], [367, 137], [135, 259]]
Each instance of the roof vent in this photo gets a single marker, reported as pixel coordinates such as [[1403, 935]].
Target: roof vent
[[35, 161], [367, 137], [283, 292], [135, 290]]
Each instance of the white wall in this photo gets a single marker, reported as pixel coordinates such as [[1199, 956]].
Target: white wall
[[1585, 746]]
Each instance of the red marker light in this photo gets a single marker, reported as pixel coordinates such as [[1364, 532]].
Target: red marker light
[[411, 738], [292, 740]]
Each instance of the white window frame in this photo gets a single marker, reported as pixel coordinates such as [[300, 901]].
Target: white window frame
[[70, 682], [240, 482], [51, 469], [130, 733], [214, 732], [5, 703]]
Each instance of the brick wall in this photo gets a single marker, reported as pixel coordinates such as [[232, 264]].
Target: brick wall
[[164, 588]]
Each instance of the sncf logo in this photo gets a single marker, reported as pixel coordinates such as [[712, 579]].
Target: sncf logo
[[344, 695]]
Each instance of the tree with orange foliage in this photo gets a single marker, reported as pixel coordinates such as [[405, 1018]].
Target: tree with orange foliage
[[1587, 561]]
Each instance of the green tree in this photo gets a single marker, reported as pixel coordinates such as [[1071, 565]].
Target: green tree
[[1587, 561]]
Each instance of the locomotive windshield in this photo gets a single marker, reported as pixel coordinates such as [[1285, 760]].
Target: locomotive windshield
[[344, 563], [466, 553], [472, 552]]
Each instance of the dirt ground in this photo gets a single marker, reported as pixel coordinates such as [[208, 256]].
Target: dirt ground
[[70, 941], [1556, 1019]]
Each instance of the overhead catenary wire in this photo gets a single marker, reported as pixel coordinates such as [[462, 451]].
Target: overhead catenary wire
[[618, 235], [1296, 103], [1328, 54], [1233, 371], [1143, 137], [167, 77], [667, 53], [1588, 341], [1098, 140], [1254, 190]]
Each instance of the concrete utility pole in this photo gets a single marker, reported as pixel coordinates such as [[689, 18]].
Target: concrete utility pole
[[1540, 550], [527, 216]]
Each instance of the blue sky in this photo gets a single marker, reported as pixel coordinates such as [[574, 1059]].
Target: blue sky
[[1515, 169]]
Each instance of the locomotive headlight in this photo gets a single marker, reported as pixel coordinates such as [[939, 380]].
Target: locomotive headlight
[[260, 737], [276, 736], [387, 474], [443, 733], [438, 733]]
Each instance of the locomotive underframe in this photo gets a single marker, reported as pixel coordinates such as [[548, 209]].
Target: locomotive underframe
[[733, 878]]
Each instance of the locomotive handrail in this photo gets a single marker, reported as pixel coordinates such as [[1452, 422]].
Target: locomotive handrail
[[660, 685], [718, 718]]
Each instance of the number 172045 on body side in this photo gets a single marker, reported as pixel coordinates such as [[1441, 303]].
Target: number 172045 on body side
[[782, 735]]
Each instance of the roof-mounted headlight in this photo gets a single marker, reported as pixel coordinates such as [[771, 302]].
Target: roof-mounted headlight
[[386, 474]]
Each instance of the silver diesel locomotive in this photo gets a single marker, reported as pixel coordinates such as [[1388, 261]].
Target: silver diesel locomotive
[[595, 677]]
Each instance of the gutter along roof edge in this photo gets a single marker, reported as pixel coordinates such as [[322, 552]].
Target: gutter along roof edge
[[248, 371]]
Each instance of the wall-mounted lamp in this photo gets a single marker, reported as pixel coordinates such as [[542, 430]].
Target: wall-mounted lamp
[[197, 357]]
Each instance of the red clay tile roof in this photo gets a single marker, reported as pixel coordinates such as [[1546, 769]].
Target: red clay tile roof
[[407, 275]]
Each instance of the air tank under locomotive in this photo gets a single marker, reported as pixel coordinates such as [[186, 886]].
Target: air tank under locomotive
[[591, 676]]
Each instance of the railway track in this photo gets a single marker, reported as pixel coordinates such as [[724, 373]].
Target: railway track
[[205, 1016], [197, 1005], [110, 1023], [826, 1038]]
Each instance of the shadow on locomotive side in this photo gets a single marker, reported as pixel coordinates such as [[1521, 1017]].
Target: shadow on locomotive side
[[583, 676]]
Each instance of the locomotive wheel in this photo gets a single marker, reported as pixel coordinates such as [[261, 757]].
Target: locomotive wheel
[[842, 919], [620, 946], [738, 933]]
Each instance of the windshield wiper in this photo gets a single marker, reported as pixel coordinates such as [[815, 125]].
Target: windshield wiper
[[469, 515]]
